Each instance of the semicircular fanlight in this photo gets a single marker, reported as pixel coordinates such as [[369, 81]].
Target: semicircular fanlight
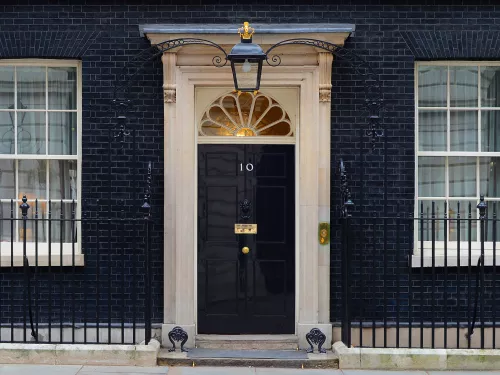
[[245, 115]]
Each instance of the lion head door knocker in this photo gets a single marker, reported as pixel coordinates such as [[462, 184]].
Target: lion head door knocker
[[245, 209]]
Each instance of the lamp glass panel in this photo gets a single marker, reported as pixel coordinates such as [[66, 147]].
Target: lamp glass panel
[[246, 74]]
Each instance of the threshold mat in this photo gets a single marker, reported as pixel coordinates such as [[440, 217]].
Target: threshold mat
[[250, 354]]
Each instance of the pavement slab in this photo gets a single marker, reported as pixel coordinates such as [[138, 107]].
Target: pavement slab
[[39, 370], [283, 371], [384, 372], [122, 370], [211, 371]]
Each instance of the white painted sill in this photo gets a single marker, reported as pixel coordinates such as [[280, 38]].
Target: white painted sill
[[11, 255], [452, 257]]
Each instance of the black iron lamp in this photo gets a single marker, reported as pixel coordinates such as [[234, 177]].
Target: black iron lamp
[[246, 61]]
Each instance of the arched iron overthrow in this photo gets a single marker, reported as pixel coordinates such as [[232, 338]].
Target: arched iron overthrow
[[373, 93], [136, 65], [373, 96]]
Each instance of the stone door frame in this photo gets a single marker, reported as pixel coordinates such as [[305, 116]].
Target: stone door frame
[[303, 67]]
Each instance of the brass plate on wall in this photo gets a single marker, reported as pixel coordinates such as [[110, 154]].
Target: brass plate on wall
[[324, 233], [245, 228]]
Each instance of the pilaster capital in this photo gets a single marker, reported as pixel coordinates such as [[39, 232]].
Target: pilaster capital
[[169, 84], [325, 60]]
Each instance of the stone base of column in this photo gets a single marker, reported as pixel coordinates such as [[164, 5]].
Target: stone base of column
[[190, 330], [304, 328]]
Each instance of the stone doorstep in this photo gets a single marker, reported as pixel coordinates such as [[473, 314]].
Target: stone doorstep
[[416, 359], [242, 342], [314, 360], [78, 354]]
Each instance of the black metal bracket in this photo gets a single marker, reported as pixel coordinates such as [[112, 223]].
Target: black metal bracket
[[315, 336], [346, 203], [374, 104], [178, 334], [373, 95]]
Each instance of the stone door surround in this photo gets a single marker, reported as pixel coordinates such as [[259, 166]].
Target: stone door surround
[[303, 67]]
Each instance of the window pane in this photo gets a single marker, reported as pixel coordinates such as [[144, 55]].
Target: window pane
[[7, 180], [62, 133], [432, 130], [62, 88], [431, 176], [31, 133], [425, 207], [5, 222], [34, 228], [462, 207], [62, 177], [7, 132], [490, 86], [463, 131], [31, 88], [492, 231], [490, 131], [462, 171], [32, 179], [62, 229], [489, 173], [6, 87], [463, 86], [432, 86]]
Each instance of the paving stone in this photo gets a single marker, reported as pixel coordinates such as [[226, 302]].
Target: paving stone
[[122, 370], [39, 370], [383, 372], [211, 371]]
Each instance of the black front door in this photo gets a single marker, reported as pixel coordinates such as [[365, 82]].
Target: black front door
[[246, 282]]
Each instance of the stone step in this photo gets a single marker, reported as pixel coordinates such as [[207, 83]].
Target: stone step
[[247, 342], [248, 358]]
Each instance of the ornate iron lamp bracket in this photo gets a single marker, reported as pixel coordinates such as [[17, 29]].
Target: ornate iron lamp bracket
[[374, 104]]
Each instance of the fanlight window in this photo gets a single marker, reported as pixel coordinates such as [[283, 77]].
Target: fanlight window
[[245, 115]]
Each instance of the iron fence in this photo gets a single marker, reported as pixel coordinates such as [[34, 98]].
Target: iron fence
[[70, 279], [426, 279]]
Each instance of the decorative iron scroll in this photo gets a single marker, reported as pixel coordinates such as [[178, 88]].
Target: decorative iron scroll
[[315, 336], [178, 334], [373, 94], [346, 204]]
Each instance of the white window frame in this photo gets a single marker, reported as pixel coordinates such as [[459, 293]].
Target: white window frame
[[439, 247], [66, 256]]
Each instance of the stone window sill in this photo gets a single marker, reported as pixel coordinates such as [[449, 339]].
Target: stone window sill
[[11, 255]]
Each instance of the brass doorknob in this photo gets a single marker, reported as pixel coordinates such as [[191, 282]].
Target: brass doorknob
[[245, 250]]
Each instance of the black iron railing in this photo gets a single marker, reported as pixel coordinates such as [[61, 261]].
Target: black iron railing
[[65, 279], [422, 279]]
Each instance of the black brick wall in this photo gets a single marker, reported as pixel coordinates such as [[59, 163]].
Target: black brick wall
[[389, 34]]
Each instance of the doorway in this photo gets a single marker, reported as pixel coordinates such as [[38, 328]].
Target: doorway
[[246, 239]]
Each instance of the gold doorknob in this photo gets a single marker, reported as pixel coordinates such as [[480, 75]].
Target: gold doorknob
[[245, 250]]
